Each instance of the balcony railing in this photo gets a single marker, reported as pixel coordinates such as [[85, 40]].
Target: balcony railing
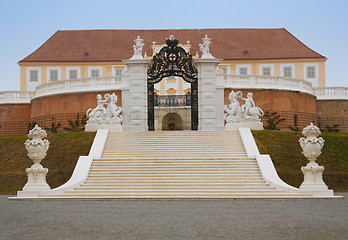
[[331, 93], [79, 85], [172, 100], [267, 82], [230, 81], [16, 96]]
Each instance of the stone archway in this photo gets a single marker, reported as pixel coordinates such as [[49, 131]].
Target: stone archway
[[172, 122]]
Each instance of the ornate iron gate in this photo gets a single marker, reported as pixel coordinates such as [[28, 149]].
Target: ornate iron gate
[[172, 60]]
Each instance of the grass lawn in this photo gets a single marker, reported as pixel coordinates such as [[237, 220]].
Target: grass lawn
[[64, 151], [286, 153], [65, 148]]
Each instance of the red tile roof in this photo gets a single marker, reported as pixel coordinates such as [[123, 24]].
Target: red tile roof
[[116, 45]]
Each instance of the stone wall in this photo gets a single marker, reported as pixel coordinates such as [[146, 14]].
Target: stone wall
[[333, 112], [14, 119], [67, 103], [183, 112]]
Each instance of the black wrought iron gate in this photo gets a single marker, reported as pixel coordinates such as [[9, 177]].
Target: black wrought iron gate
[[172, 60]]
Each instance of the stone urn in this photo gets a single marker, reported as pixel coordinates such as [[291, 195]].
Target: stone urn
[[311, 144], [37, 148], [313, 173]]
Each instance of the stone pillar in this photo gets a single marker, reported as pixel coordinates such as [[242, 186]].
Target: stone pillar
[[210, 95], [134, 95]]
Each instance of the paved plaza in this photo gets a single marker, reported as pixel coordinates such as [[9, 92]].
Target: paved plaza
[[178, 219]]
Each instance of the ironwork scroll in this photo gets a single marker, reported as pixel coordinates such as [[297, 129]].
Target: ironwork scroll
[[172, 60]]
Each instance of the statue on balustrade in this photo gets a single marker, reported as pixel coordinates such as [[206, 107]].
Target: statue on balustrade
[[247, 112], [109, 115]]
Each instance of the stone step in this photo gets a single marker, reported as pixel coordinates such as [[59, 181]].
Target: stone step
[[173, 186], [129, 170], [172, 168], [169, 191], [148, 164], [235, 182], [215, 159], [171, 183], [172, 194], [183, 154], [179, 177]]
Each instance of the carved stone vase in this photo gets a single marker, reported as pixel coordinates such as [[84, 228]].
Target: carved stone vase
[[311, 146], [37, 148]]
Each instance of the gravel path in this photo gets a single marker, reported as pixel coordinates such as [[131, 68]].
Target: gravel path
[[179, 219]]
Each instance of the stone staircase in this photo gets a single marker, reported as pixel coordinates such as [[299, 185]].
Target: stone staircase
[[183, 164]]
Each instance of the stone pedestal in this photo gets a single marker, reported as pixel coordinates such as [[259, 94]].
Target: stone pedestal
[[36, 181], [210, 96], [253, 125], [134, 96], [93, 127]]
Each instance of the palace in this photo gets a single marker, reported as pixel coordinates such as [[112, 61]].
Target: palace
[[194, 79], [63, 77]]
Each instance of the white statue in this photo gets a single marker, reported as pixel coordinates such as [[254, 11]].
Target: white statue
[[96, 115], [205, 47], [101, 115], [138, 48], [113, 115], [250, 110], [311, 146], [233, 111], [37, 148]]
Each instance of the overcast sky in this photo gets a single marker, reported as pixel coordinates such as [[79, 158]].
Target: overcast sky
[[26, 25]]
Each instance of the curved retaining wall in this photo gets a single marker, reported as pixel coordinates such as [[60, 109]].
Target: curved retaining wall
[[64, 107], [14, 119], [333, 112]]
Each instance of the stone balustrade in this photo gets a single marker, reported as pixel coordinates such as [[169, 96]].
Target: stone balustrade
[[231, 81], [266, 82], [16, 96], [79, 85], [331, 93]]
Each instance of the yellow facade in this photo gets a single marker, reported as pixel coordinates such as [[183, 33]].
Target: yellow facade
[[276, 67]]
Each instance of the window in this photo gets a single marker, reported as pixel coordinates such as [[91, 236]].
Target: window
[[310, 72], [95, 73], [118, 72], [224, 70], [33, 75], [53, 75], [72, 74], [243, 71], [266, 71], [287, 71]]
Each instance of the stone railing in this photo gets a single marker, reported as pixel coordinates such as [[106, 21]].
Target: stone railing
[[331, 93], [79, 85], [267, 82], [16, 96], [172, 100]]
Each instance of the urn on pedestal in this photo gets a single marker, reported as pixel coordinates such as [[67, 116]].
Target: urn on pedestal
[[313, 173], [37, 148]]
